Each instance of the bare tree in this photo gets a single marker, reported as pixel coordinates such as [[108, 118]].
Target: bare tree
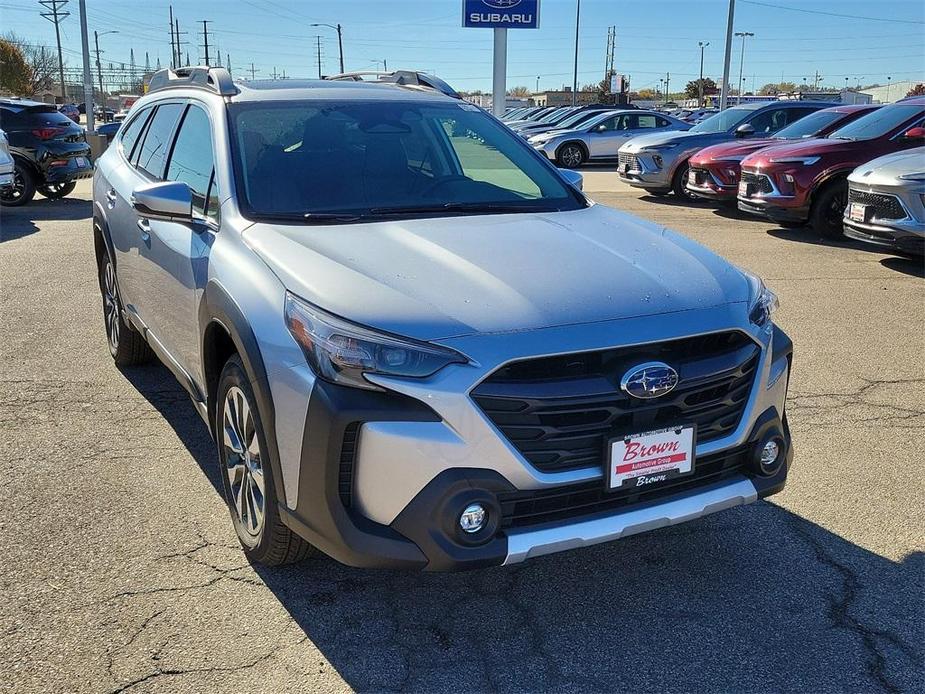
[[42, 62], [518, 91]]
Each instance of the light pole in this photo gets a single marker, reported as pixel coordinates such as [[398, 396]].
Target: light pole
[[888, 88], [846, 84], [700, 83], [537, 84], [575, 73], [99, 69], [744, 35], [340, 41]]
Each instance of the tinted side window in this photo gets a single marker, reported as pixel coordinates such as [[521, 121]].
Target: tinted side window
[[131, 131], [662, 122], [795, 114], [191, 160], [607, 124], [769, 121], [153, 151]]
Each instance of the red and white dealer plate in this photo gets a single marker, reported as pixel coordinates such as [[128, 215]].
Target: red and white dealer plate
[[639, 460]]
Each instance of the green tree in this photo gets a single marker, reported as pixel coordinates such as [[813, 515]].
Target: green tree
[[772, 88], [15, 75], [917, 90], [646, 95], [692, 90]]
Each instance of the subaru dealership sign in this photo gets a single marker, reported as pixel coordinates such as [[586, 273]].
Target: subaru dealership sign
[[501, 14]]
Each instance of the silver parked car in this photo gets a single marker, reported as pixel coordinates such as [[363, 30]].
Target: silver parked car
[[7, 165], [415, 342], [658, 162], [600, 138], [886, 202]]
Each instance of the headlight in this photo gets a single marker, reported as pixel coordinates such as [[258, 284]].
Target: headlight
[[731, 157], [805, 161], [342, 352], [662, 148], [915, 176], [762, 302]]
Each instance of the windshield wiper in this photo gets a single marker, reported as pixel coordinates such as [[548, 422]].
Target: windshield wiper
[[331, 217], [455, 207], [842, 137]]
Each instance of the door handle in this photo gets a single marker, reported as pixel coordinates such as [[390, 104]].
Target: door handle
[[111, 197], [145, 226]]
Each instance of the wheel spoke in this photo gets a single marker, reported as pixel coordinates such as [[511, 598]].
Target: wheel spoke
[[243, 465]]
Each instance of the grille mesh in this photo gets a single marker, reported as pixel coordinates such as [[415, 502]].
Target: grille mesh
[[347, 458], [882, 206], [559, 412], [761, 182]]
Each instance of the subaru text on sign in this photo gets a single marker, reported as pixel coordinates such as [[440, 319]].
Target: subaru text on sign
[[501, 14]]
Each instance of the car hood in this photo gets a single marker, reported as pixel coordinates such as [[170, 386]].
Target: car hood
[[734, 149], [686, 140], [885, 171], [452, 276]]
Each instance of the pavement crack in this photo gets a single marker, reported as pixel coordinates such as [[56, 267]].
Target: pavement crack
[[839, 612]]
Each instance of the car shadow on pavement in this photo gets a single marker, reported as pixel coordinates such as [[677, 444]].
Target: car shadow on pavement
[[908, 266], [752, 599], [17, 222]]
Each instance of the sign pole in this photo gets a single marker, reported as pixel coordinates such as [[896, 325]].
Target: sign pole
[[499, 76]]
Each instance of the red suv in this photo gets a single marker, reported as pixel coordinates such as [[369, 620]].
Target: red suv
[[807, 181], [714, 171]]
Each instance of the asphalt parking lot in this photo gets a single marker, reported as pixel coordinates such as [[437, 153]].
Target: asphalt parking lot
[[121, 570]]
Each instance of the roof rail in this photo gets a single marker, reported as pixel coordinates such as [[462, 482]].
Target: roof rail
[[405, 78], [214, 79]]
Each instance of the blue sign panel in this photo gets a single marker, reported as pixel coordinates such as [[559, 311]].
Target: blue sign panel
[[501, 14]]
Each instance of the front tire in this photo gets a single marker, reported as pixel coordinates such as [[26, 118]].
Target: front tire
[[126, 345], [247, 476], [56, 191], [828, 210], [679, 184], [23, 189], [570, 155]]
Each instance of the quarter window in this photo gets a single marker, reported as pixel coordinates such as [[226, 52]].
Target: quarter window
[[192, 160], [133, 130], [153, 150]]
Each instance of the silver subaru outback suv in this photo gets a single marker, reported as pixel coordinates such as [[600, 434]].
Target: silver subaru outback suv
[[415, 342]]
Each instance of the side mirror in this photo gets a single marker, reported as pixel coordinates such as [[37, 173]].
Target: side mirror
[[167, 200], [916, 133], [573, 178], [745, 130]]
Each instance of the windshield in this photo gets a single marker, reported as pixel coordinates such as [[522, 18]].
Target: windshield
[[578, 118], [878, 123], [555, 116], [809, 126], [722, 121], [318, 160]]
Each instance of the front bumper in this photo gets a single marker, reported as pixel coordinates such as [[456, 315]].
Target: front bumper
[[906, 238], [642, 169], [710, 188], [6, 179], [383, 476], [769, 208]]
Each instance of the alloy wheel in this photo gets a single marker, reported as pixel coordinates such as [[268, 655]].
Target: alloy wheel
[[111, 305], [16, 191], [571, 156], [243, 465]]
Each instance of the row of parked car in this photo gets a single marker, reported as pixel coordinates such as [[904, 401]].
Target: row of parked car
[[856, 170]]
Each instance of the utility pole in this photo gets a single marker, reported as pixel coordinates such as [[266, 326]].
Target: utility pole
[[99, 70], [228, 61], [131, 57], [575, 70], [253, 72], [205, 39], [147, 62], [702, 45], [274, 74], [87, 75], [318, 43], [176, 23], [173, 45], [340, 40], [56, 15], [744, 35], [724, 94], [667, 80]]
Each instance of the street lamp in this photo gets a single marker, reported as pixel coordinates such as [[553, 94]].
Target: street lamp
[[340, 42], [888, 88], [700, 84], [99, 69], [744, 35], [537, 84]]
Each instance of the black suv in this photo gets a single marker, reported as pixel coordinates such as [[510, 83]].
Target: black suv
[[50, 151]]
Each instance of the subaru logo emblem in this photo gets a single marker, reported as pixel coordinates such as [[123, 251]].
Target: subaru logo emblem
[[649, 380]]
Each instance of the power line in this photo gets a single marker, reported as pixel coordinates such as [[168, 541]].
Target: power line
[[832, 14]]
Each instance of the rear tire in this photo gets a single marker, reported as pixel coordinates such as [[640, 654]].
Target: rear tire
[[828, 210], [247, 476], [56, 191], [570, 155], [126, 345], [23, 188]]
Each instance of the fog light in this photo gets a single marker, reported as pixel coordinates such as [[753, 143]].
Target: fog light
[[473, 518], [769, 453], [788, 178], [658, 160]]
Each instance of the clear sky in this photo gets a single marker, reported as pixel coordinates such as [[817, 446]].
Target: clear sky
[[884, 37]]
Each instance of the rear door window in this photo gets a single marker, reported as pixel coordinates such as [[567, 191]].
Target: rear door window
[[152, 153]]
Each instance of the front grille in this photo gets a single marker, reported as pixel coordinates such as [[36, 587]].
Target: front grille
[[348, 451], [559, 412], [532, 507], [761, 182], [624, 159], [882, 206]]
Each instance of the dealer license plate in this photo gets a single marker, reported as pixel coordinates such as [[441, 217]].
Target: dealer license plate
[[640, 460], [82, 163], [745, 189], [857, 212]]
